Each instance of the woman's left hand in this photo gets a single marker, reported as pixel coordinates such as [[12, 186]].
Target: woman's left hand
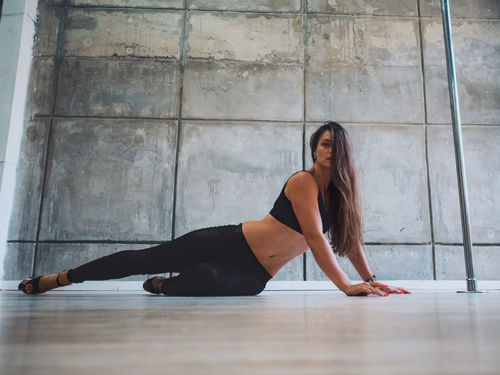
[[394, 289]]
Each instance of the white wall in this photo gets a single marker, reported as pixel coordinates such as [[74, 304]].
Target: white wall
[[17, 27]]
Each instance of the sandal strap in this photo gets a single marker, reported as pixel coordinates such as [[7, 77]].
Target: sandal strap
[[57, 279]]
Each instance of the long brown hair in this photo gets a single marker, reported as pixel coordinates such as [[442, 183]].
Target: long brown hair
[[346, 229]]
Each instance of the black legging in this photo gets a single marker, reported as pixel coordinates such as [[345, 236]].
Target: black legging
[[213, 261]]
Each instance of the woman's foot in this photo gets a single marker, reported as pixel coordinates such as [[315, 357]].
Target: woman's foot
[[44, 283], [154, 285]]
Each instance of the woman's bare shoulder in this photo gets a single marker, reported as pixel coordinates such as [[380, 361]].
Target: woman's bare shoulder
[[302, 177], [302, 183]]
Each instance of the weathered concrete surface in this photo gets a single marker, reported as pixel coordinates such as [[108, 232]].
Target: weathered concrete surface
[[371, 7], [123, 33], [47, 27], [134, 88], [41, 88], [230, 75], [363, 70], [54, 258], [293, 270], [393, 180], [232, 172], [256, 5], [18, 261], [482, 160], [477, 56], [253, 38], [110, 179], [24, 218], [462, 8], [178, 4], [450, 263], [387, 262], [225, 90]]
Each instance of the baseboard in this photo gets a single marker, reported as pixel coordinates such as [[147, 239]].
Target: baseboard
[[120, 286]]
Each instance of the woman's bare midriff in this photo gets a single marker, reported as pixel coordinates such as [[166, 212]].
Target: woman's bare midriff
[[273, 243]]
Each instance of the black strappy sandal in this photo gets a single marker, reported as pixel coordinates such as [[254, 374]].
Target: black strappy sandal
[[34, 284], [148, 285]]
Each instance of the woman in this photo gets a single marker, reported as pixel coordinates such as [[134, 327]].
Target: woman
[[240, 259]]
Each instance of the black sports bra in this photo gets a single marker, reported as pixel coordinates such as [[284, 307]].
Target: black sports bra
[[283, 211]]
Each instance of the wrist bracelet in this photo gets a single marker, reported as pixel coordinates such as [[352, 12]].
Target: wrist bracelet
[[373, 278]]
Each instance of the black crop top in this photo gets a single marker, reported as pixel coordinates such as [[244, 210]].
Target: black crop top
[[283, 211]]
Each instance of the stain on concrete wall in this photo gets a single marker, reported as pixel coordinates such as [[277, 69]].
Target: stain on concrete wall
[[147, 119]]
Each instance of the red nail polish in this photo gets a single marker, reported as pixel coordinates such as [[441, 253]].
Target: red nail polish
[[386, 294]]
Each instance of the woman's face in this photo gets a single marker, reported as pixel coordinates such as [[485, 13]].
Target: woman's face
[[324, 149]]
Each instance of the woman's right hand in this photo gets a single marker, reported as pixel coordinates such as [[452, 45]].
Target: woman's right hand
[[365, 288]]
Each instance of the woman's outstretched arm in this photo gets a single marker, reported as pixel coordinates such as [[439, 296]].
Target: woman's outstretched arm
[[358, 260], [303, 192]]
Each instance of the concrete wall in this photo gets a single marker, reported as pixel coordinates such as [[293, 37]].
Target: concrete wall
[[148, 119]]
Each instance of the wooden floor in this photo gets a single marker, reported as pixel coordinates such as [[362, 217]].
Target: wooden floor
[[428, 332]]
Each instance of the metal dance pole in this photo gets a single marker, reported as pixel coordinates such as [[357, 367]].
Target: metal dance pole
[[459, 157]]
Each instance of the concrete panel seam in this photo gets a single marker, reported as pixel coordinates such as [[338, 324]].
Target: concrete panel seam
[[247, 63], [486, 244], [57, 64], [108, 7], [359, 15], [75, 117], [431, 221], [179, 116], [420, 41], [140, 8], [103, 242], [201, 119], [482, 244], [326, 14], [299, 12], [362, 16], [120, 58], [464, 126], [464, 18], [397, 243], [256, 12]]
